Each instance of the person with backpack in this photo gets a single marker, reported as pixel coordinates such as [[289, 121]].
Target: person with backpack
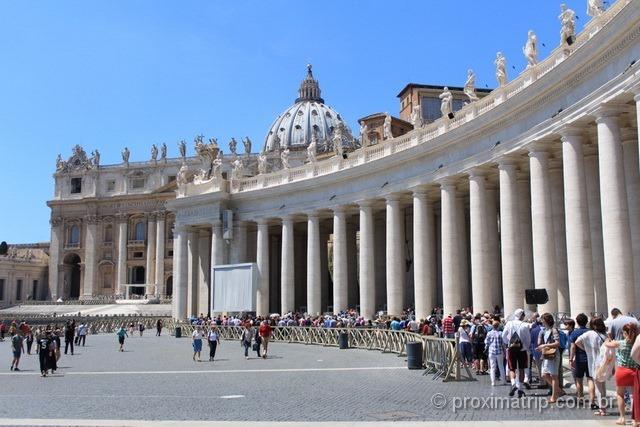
[[17, 347], [549, 344], [591, 342], [122, 333], [478, 336], [578, 359], [517, 339]]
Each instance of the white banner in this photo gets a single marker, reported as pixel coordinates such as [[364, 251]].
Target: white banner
[[234, 288]]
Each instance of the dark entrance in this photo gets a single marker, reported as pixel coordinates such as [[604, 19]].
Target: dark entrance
[[169, 287], [72, 275], [137, 277]]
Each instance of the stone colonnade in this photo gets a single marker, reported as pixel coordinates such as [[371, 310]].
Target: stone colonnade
[[561, 213]]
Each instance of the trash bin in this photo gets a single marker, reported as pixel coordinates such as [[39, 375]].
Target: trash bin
[[178, 332], [343, 340], [414, 355]]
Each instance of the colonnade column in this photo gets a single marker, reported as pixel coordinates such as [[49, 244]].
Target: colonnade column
[[121, 273], [579, 267], [615, 213], [366, 262], [495, 264], [151, 255], [192, 275], [159, 276], [560, 234], [395, 256], [632, 182], [54, 257], [479, 242], [314, 280], [340, 265], [204, 272], [262, 260], [512, 284], [424, 255], [451, 286], [238, 251], [90, 260], [544, 251], [287, 276], [180, 272]]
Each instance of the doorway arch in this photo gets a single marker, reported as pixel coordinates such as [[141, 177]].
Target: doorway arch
[[72, 275]]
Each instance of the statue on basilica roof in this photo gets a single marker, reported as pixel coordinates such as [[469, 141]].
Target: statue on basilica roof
[[501, 69], [530, 49], [470, 86], [247, 145]]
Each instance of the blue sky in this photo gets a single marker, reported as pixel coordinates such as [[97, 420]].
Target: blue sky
[[109, 74]]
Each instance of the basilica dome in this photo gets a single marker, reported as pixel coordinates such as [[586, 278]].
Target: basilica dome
[[294, 128]]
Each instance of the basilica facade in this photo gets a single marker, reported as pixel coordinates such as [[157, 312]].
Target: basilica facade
[[534, 185]]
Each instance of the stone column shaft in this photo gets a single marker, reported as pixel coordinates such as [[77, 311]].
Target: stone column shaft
[[451, 286], [90, 260], [618, 259], [495, 262], [512, 281], [159, 276], [314, 280], [395, 258], [424, 255], [340, 266], [204, 272], [122, 256], [632, 181], [365, 261], [595, 225], [544, 250], [192, 277], [151, 256], [262, 260], [180, 273], [287, 275], [54, 258], [479, 239]]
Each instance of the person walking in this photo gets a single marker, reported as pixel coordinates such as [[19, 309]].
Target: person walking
[[245, 339], [516, 336], [83, 329], [53, 351], [69, 335], [578, 359], [590, 342], [549, 346], [213, 339], [44, 352], [465, 342], [196, 337], [122, 333], [265, 334], [29, 340], [17, 348], [140, 328], [158, 327], [495, 351], [626, 367]]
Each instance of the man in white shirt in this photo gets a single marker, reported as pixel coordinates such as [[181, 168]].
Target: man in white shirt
[[517, 338], [616, 322]]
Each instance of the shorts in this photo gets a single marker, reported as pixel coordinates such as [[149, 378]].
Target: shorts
[[121, 340], [581, 369], [517, 359], [478, 351], [466, 352], [197, 345], [17, 353], [624, 376], [550, 366]]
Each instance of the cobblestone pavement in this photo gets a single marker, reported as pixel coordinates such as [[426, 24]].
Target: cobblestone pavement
[[156, 379]]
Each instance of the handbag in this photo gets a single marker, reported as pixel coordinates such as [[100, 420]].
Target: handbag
[[256, 346], [549, 353]]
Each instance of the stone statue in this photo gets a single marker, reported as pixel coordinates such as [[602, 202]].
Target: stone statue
[[262, 163], [59, 163], [595, 8], [311, 149], [154, 153], [233, 144], [199, 139], [213, 142], [163, 152], [364, 134], [416, 117], [530, 49], [567, 19], [284, 157], [238, 169], [501, 69], [95, 158], [182, 178], [247, 145], [446, 103], [386, 127], [182, 148], [338, 136], [125, 156], [217, 165], [470, 86], [276, 142]]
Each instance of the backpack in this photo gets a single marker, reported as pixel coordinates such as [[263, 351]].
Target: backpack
[[515, 343], [479, 333], [563, 340]]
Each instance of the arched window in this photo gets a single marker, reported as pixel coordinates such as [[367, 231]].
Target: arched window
[[74, 235], [139, 231]]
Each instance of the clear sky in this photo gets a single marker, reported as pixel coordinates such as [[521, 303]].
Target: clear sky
[[108, 74]]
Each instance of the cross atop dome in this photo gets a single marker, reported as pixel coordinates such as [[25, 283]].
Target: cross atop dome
[[309, 88]]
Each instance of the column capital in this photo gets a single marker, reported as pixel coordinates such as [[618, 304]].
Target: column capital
[[179, 228], [421, 193], [287, 218], [447, 182], [508, 163], [262, 222], [92, 219], [392, 198], [538, 149], [609, 111], [478, 172], [215, 223], [339, 210], [572, 134], [368, 203], [160, 215], [313, 215], [56, 221], [121, 217]]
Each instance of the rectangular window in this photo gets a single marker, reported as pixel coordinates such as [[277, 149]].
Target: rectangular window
[[137, 183], [18, 289], [138, 255], [111, 185], [1, 289], [34, 290], [76, 185], [172, 178]]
